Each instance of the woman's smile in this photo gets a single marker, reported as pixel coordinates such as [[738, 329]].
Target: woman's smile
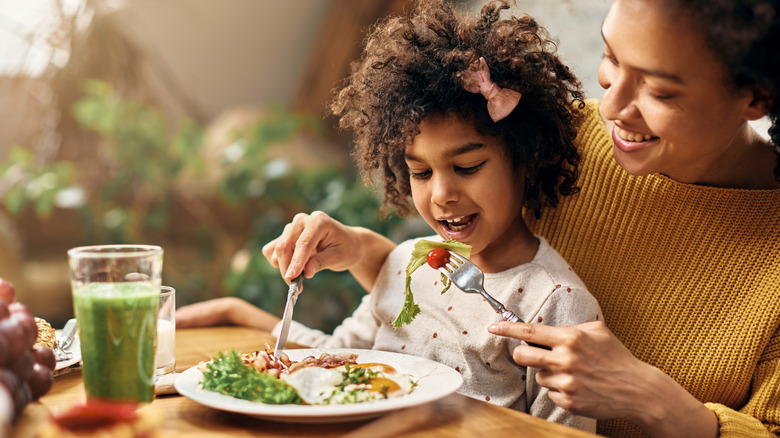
[[628, 141]]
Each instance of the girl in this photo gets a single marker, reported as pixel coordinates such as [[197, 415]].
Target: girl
[[474, 119]]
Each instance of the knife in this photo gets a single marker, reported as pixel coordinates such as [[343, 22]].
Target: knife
[[67, 334], [292, 297]]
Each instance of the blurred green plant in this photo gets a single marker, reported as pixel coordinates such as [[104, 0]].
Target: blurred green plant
[[129, 193], [146, 158], [24, 182]]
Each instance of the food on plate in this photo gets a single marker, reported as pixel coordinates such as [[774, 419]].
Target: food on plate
[[323, 380], [102, 418], [229, 374], [46, 334], [420, 253], [348, 384]]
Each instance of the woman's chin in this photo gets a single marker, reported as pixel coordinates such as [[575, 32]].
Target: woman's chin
[[631, 164]]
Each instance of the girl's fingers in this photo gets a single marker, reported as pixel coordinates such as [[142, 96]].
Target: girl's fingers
[[304, 249], [285, 246], [269, 251]]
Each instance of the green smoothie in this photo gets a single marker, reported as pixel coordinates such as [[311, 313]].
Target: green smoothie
[[117, 327]]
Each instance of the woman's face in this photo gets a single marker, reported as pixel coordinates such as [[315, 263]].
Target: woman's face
[[464, 186], [666, 97]]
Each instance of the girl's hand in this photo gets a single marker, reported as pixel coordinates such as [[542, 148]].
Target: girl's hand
[[311, 243], [224, 311], [591, 373]]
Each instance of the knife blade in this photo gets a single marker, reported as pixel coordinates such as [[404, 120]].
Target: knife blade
[[292, 297], [67, 334]]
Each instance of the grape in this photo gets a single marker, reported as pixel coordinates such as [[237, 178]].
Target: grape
[[9, 380], [29, 328], [7, 291], [6, 407], [22, 366], [15, 335], [17, 307], [40, 380], [4, 354], [22, 397], [45, 357], [26, 373], [4, 312]]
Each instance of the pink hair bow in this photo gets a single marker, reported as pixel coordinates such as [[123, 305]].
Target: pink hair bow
[[501, 101]]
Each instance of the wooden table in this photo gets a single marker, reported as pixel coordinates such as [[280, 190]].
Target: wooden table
[[453, 416]]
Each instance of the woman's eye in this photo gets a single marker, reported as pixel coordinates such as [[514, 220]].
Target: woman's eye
[[608, 56], [469, 170]]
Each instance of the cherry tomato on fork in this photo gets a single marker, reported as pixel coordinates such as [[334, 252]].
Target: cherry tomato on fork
[[438, 257]]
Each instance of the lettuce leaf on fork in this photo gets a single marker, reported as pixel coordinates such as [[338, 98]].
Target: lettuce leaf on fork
[[410, 309]]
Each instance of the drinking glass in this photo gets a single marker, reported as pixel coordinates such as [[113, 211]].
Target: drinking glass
[[165, 355], [116, 295]]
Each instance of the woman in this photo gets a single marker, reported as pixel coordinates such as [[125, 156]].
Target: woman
[[684, 257], [679, 241]]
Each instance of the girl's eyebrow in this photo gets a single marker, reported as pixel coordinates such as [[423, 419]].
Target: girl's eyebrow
[[649, 72], [452, 153]]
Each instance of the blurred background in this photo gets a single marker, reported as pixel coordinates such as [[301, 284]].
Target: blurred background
[[199, 126]]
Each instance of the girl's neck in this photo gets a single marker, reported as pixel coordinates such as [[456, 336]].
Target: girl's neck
[[517, 249]]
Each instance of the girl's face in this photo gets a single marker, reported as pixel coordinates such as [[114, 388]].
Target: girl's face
[[464, 186], [666, 97]]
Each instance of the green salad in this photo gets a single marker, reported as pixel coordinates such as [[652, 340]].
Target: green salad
[[420, 252], [229, 375]]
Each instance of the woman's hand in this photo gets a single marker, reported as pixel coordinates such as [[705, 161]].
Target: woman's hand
[[591, 373], [311, 243]]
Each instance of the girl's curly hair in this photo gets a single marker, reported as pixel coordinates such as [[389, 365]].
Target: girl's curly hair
[[745, 35], [411, 68]]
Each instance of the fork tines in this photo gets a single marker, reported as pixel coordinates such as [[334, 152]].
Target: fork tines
[[455, 262]]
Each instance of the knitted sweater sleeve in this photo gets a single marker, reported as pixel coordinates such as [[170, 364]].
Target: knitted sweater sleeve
[[760, 417]]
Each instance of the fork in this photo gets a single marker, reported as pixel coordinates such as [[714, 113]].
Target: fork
[[60, 354], [470, 279], [66, 338]]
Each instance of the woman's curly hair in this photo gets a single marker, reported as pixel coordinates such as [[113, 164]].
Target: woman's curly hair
[[745, 35], [412, 67]]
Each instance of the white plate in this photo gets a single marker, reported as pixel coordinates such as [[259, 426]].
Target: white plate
[[434, 380], [74, 349]]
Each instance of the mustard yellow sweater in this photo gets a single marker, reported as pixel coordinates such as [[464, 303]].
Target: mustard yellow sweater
[[688, 278]]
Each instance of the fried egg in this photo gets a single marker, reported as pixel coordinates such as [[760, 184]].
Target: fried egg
[[318, 386]]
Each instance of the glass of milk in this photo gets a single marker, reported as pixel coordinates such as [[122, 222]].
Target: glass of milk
[[165, 355]]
